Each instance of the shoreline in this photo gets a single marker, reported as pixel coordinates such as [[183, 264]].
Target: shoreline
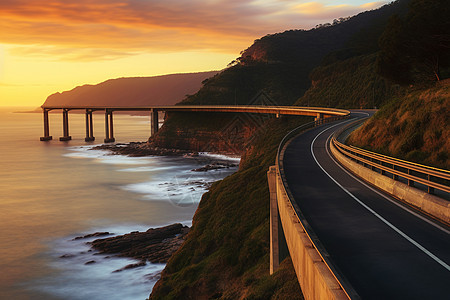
[[138, 149], [149, 246], [155, 245]]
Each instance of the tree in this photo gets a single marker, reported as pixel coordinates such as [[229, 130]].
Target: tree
[[415, 49], [393, 62]]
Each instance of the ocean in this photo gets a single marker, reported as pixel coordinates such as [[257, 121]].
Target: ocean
[[52, 192]]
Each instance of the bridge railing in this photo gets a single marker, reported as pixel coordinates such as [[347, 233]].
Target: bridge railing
[[342, 281], [432, 178]]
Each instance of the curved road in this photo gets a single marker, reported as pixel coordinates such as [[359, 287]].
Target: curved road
[[384, 250]]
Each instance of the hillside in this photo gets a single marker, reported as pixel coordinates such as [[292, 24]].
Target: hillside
[[226, 253], [415, 127], [280, 63], [349, 83], [134, 91]]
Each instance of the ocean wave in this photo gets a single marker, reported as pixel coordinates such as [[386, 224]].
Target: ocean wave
[[82, 273]]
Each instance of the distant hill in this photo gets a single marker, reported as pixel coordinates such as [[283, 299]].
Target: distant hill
[[133, 91]]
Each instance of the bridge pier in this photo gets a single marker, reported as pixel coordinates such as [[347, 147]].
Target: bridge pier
[[47, 136], [66, 136], [274, 245], [109, 127], [319, 118], [154, 122], [89, 126], [278, 245]]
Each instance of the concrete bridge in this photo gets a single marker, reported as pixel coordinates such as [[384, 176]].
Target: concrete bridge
[[317, 112]]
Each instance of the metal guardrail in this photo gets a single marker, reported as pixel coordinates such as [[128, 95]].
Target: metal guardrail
[[431, 177], [344, 284]]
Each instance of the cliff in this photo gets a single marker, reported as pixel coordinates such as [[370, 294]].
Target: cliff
[[136, 91], [217, 132]]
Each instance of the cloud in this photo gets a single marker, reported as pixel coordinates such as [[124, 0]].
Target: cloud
[[108, 29], [317, 10]]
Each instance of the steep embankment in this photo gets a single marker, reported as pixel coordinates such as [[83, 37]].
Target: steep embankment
[[415, 127], [137, 91], [226, 253]]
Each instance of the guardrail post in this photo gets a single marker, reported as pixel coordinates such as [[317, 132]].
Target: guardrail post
[[394, 176], [430, 189], [410, 182]]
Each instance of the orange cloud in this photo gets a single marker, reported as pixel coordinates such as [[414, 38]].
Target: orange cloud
[[318, 10], [91, 29]]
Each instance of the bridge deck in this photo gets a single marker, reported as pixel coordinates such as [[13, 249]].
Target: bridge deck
[[284, 110]]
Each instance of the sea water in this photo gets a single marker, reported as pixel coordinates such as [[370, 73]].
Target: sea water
[[52, 192]]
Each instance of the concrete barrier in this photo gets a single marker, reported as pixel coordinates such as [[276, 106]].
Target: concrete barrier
[[315, 278], [434, 206]]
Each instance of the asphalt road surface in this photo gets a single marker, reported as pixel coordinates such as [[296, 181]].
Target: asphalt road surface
[[384, 249]]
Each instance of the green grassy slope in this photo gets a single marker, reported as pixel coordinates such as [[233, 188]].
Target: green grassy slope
[[415, 127]]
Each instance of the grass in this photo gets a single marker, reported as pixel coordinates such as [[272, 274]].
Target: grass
[[415, 127], [226, 254]]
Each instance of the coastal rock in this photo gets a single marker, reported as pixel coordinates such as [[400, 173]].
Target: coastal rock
[[155, 245], [215, 166], [130, 266], [139, 149], [97, 234]]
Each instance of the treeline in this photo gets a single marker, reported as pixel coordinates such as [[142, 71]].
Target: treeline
[[280, 64]]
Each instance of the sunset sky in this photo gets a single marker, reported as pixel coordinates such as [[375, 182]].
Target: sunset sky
[[49, 46]]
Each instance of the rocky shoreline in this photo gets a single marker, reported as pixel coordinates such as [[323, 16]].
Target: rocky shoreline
[[138, 149], [156, 245]]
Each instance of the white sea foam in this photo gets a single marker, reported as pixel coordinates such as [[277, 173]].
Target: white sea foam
[[149, 169], [85, 152], [180, 186], [96, 280], [105, 156], [234, 159]]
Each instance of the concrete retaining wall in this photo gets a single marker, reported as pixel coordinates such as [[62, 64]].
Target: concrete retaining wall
[[434, 206], [316, 280]]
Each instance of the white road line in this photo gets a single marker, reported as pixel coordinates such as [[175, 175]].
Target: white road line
[[434, 257], [384, 196]]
